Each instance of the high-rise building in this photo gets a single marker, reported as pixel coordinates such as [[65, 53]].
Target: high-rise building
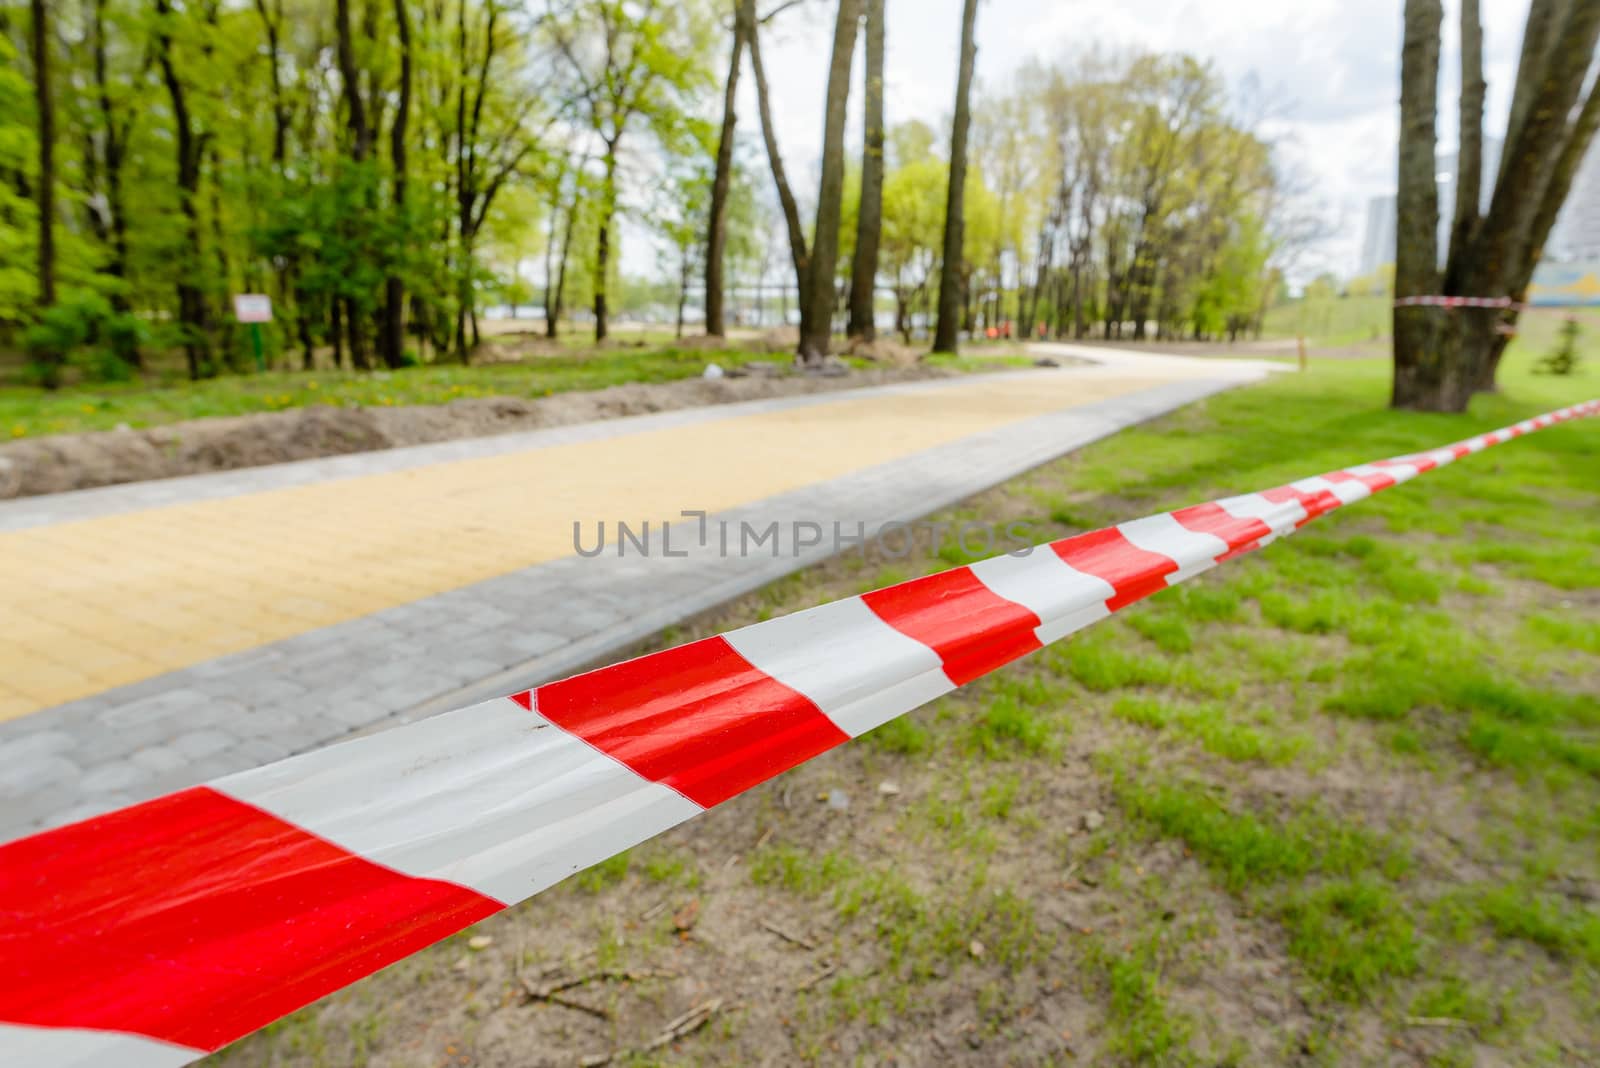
[[1575, 238], [1576, 234], [1378, 246]]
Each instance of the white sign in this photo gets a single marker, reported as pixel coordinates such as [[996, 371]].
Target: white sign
[[252, 307]]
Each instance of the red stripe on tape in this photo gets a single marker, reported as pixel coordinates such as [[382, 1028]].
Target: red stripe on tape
[[1241, 534], [1107, 554], [1374, 481], [196, 918], [1315, 504], [973, 629], [698, 718]]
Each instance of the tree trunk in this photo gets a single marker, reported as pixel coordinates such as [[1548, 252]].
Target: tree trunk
[[355, 107], [1426, 376], [192, 317], [608, 208], [683, 290], [791, 213], [869, 217], [553, 313], [40, 36], [280, 110], [945, 339], [115, 152], [550, 262], [717, 235], [1469, 161], [818, 289], [394, 291]]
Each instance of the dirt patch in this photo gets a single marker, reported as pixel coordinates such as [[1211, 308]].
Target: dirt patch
[[80, 461]]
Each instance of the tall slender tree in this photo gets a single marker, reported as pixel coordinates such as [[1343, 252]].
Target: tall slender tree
[[717, 237], [45, 107], [627, 65], [799, 253], [193, 318], [394, 291], [945, 334], [817, 292], [869, 216]]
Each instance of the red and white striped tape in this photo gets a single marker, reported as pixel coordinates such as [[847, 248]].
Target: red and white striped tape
[[149, 936], [1460, 302]]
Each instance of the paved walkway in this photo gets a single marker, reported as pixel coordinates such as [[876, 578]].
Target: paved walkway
[[164, 633]]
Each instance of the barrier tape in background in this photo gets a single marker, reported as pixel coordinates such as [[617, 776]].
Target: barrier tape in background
[[148, 936], [1460, 302]]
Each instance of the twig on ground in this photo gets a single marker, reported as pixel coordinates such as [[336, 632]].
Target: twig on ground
[[653, 911], [680, 1027], [827, 970], [1438, 1021], [788, 936], [553, 990]]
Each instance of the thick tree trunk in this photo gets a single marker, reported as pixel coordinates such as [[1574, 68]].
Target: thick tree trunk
[[818, 292], [394, 291], [717, 235], [945, 339], [1427, 370], [869, 217], [40, 37], [798, 252]]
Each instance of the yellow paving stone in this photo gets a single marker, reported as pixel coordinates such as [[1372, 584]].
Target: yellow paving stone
[[144, 593]]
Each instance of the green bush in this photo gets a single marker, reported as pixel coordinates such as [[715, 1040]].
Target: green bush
[[1564, 360], [86, 332]]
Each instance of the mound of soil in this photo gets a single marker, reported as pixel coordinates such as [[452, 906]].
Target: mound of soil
[[80, 461]]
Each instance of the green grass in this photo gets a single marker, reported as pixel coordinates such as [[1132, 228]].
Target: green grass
[[1331, 321], [164, 397], [28, 412]]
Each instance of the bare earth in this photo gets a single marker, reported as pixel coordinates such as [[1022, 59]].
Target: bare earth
[[79, 461]]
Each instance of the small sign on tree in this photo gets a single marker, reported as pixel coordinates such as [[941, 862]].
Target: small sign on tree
[[252, 307]]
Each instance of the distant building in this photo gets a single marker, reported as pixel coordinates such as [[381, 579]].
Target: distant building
[[1575, 238], [1576, 234], [1378, 247]]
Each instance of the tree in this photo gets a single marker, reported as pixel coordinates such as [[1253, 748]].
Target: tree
[[394, 292], [944, 339], [869, 214], [717, 226], [188, 145], [643, 66], [40, 37], [1444, 355], [817, 290], [799, 254]]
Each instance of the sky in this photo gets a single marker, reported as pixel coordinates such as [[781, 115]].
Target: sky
[[1329, 69]]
